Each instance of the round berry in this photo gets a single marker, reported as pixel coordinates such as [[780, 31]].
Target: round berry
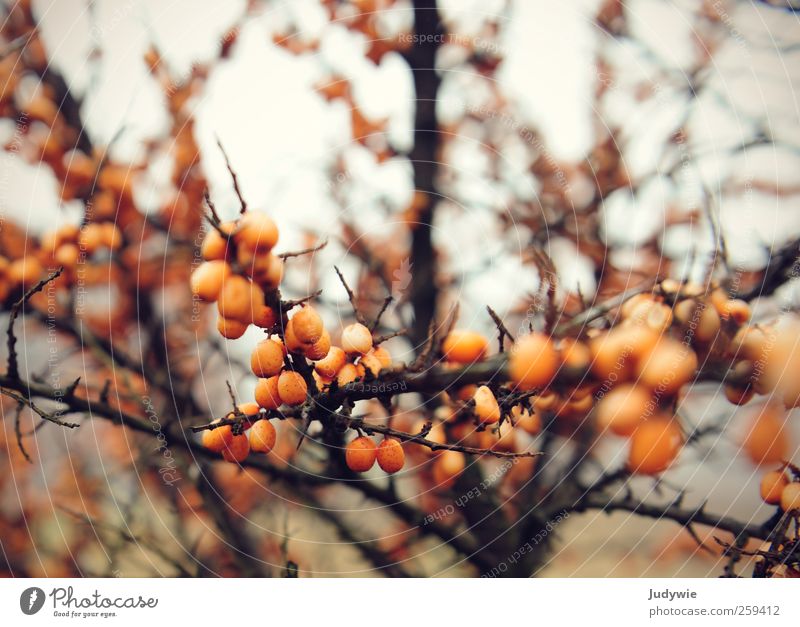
[[533, 362], [292, 388], [356, 338], [464, 347], [391, 456], [262, 436], [360, 454], [267, 359]]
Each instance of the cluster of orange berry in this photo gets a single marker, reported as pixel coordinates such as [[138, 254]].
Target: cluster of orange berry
[[777, 488], [626, 378], [64, 247], [231, 440], [239, 270]]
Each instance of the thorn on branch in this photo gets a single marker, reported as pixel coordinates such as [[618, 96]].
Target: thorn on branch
[[502, 330]]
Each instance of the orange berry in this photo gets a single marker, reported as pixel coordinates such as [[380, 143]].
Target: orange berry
[[464, 347], [216, 247], [292, 387], [256, 231], [332, 363], [267, 359], [274, 274], [737, 310], [360, 454], [372, 363], [110, 235], [67, 255], [653, 315], [383, 355], [782, 362], [230, 329], [255, 264], [486, 407], [719, 300], [447, 467], [790, 497], [545, 401], [528, 421], [751, 343], [772, 485], [91, 238], [322, 382], [217, 440], [654, 445], [267, 394], [237, 449], [250, 411], [262, 436], [685, 310], [766, 442], [307, 325], [574, 354], [533, 362], [623, 409], [25, 271], [265, 317], [208, 278], [630, 306], [235, 299], [356, 338], [391, 456], [292, 343], [614, 354], [347, 374], [319, 349], [667, 366], [708, 324]]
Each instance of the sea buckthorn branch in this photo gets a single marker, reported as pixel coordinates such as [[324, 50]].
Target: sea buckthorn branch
[[13, 367], [458, 540], [682, 516], [363, 425], [783, 266]]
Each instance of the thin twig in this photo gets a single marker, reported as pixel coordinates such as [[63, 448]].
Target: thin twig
[[380, 339], [351, 297], [18, 432], [305, 251], [13, 365], [502, 330], [360, 423], [386, 302], [233, 177]]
